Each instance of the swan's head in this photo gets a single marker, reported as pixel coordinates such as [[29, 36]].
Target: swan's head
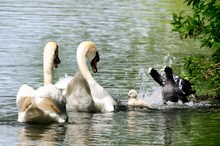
[[51, 51], [91, 53], [132, 93]]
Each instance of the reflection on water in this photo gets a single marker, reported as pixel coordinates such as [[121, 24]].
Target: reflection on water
[[175, 127], [41, 134], [131, 37]]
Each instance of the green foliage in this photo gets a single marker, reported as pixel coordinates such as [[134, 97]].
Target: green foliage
[[201, 69], [203, 24]]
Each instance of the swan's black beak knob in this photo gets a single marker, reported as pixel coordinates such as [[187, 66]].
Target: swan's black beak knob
[[94, 63]]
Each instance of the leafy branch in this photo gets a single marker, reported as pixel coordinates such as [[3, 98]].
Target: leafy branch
[[203, 24]]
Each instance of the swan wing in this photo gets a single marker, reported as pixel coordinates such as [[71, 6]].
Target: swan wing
[[143, 103], [63, 83], [103, 100], [25, 102], [36, 114], [156, 76], [50, 100], [46, 104], [138, 103], [50, 91], [24, 97], [78, 95]]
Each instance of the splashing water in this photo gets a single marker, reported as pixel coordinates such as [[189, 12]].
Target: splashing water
[[168, 60], [153, 95]]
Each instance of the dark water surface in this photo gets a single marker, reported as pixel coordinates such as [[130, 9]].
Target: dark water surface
[[131, 36]]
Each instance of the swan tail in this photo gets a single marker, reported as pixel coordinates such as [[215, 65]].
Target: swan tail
[[143, 103], [110, 105], [44, 105], [35, 114], [49, 99], [53, 107], [24, 97], [106, 104]]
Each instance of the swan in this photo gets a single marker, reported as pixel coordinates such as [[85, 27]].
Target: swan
[[45, 104], [82, 92], [184, 85], [156, 76], [135, 101], [171, 91]]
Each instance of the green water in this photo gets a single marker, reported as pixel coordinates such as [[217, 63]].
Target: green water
[[131, 37]]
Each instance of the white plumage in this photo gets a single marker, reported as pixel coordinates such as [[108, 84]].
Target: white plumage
[[46, 104], [83, 93], [135, 101]]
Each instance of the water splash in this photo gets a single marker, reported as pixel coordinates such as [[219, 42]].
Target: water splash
[[153, 95], [144, 78], [168, 60]]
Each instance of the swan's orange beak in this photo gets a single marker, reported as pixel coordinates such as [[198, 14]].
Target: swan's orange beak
[[56, 61], [94, 63]]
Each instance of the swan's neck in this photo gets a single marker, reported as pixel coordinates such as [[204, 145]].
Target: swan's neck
[[48, 67], [81, 60]]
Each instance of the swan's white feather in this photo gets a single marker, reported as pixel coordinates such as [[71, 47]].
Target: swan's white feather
[[83, 93], [38, 105], [80, 98], [46, 104], [135, 101], [102, 99]]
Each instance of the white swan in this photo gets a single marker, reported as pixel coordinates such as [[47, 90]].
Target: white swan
[[135, 101], [83, 93], [46, 104]]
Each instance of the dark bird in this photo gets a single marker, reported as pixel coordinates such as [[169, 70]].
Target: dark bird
[[184, 85], [171, 90], [156, 76]]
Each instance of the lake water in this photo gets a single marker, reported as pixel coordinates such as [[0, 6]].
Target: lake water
[[131, 37]]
